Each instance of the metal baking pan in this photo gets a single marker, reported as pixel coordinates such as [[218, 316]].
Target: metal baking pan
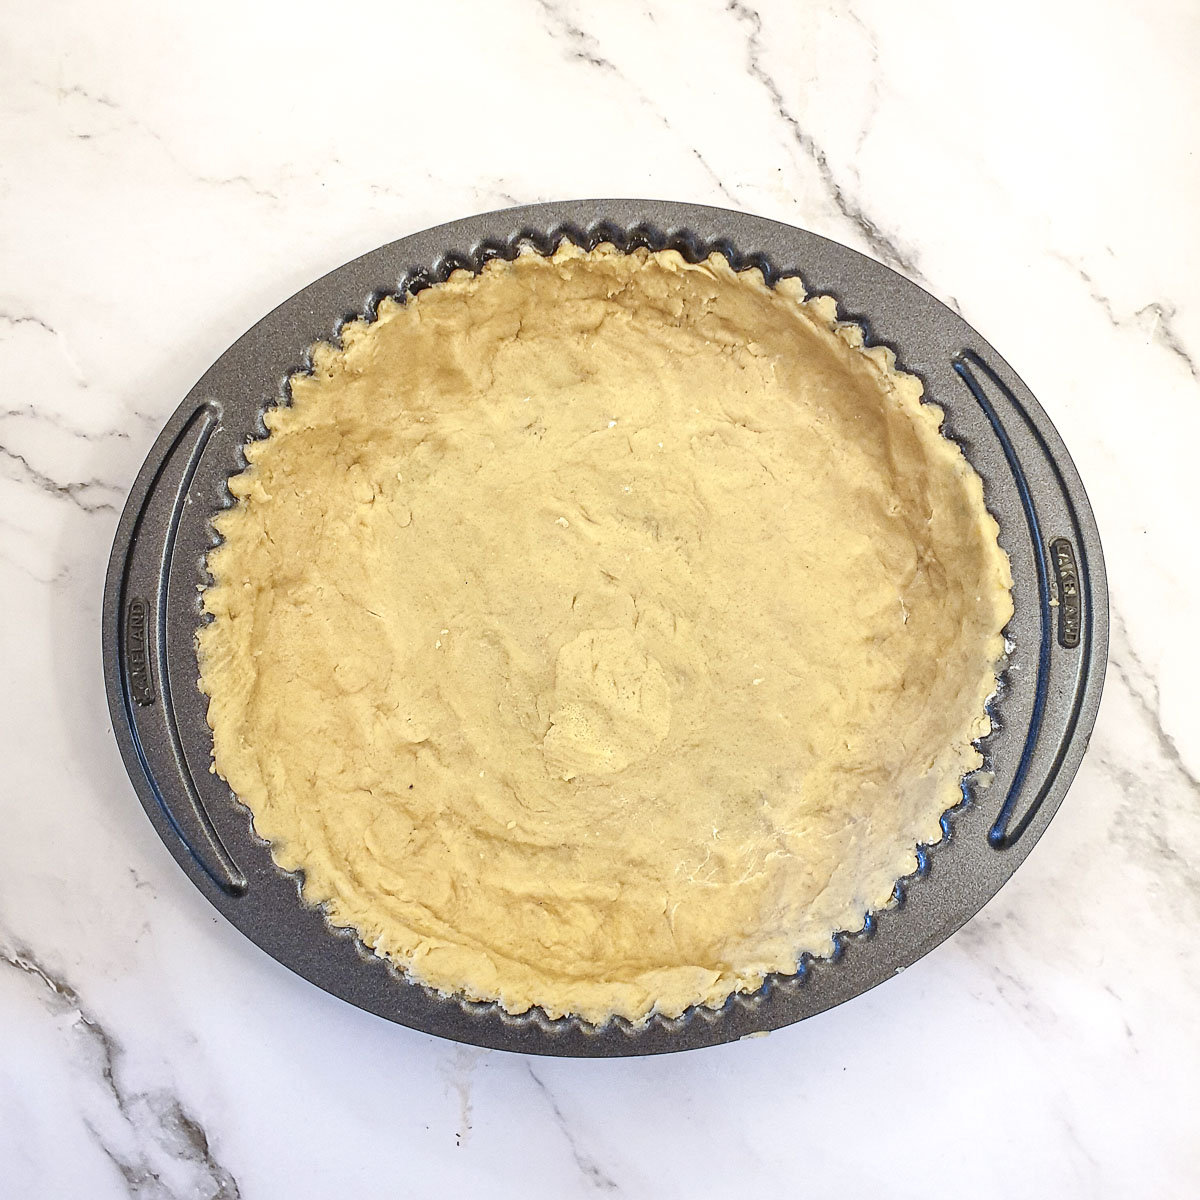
[[1043, 712]]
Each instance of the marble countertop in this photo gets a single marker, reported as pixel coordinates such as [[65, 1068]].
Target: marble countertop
[[168, 173]]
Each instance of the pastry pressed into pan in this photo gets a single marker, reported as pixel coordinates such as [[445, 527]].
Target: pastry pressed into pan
[[602, 632]]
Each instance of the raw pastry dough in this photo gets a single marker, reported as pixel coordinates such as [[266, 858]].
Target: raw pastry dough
[[602, 631]]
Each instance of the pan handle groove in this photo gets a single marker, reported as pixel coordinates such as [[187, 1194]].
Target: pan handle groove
[[1067, 580], [141, 633]]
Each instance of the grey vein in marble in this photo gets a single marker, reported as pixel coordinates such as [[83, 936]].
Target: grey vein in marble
[[593, 1173], [459, 1072], [1163, 331], [54, 579], [159, 1121], [1143, 824], [15, 321], [6, 319], [30, 412], [1139, 825], [981, 938], [1121, 1006], [94, 97], [1157, 315], [1143, 690], [81, 493], [585, 49], [873, 94], [242, 180], [882, 244], [131, 122]]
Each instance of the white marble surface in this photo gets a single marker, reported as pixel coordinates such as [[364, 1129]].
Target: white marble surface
[[170, 172]]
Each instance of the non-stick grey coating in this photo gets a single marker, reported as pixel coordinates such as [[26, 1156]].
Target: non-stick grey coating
[[1042, 716]]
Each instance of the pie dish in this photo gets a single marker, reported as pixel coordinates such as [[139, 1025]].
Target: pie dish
[[1041, 716], [602, 631]]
